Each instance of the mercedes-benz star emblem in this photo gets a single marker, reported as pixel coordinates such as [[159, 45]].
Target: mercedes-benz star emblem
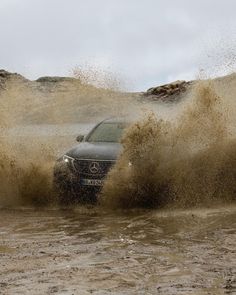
[[94, 167]]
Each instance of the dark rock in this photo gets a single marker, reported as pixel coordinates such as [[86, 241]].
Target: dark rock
[[48, 79], [168, 92], [6, 76]]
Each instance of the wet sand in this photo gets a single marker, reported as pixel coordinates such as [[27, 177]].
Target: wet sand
[[91, 251]]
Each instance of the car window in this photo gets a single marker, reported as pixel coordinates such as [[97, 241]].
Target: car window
[[107, 132]]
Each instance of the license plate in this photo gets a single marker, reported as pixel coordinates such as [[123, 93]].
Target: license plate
[[93, 182]]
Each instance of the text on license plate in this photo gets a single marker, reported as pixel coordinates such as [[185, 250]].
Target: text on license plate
[[95, 182]]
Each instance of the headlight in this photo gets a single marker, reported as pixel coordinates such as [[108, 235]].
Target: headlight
[[69, 162], [68, 159]]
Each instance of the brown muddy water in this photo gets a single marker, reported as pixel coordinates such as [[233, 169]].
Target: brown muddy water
[[92, 251], [183, 168]]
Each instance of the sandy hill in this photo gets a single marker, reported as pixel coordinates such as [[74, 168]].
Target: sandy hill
[[67, 100]]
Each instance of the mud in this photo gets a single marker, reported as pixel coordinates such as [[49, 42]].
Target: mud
[[91, 251], [182, 163], [182, 169], [27, 160]]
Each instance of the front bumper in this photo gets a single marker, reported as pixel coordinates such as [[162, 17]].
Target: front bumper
[[70, 185]]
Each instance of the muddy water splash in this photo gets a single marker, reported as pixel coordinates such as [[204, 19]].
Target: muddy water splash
[[189, 162], [184, 161], [26, 161], [26, 176]]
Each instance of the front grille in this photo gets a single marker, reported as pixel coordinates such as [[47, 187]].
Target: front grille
[[92, 168]]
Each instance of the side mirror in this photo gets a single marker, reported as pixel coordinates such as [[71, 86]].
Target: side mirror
[[80, 138]]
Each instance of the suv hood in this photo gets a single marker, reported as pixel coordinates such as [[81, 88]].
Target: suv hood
[[96, 150]]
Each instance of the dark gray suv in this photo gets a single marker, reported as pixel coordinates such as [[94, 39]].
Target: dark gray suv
[[79, 174]]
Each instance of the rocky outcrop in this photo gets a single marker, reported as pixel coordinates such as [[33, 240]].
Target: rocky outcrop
[[55, 79], [168, 92], [6, 76], [47, 84]]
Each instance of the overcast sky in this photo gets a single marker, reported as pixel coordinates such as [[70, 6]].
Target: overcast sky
[[145, 42]]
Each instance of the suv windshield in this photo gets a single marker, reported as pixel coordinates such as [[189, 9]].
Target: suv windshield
[[107, 132]]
